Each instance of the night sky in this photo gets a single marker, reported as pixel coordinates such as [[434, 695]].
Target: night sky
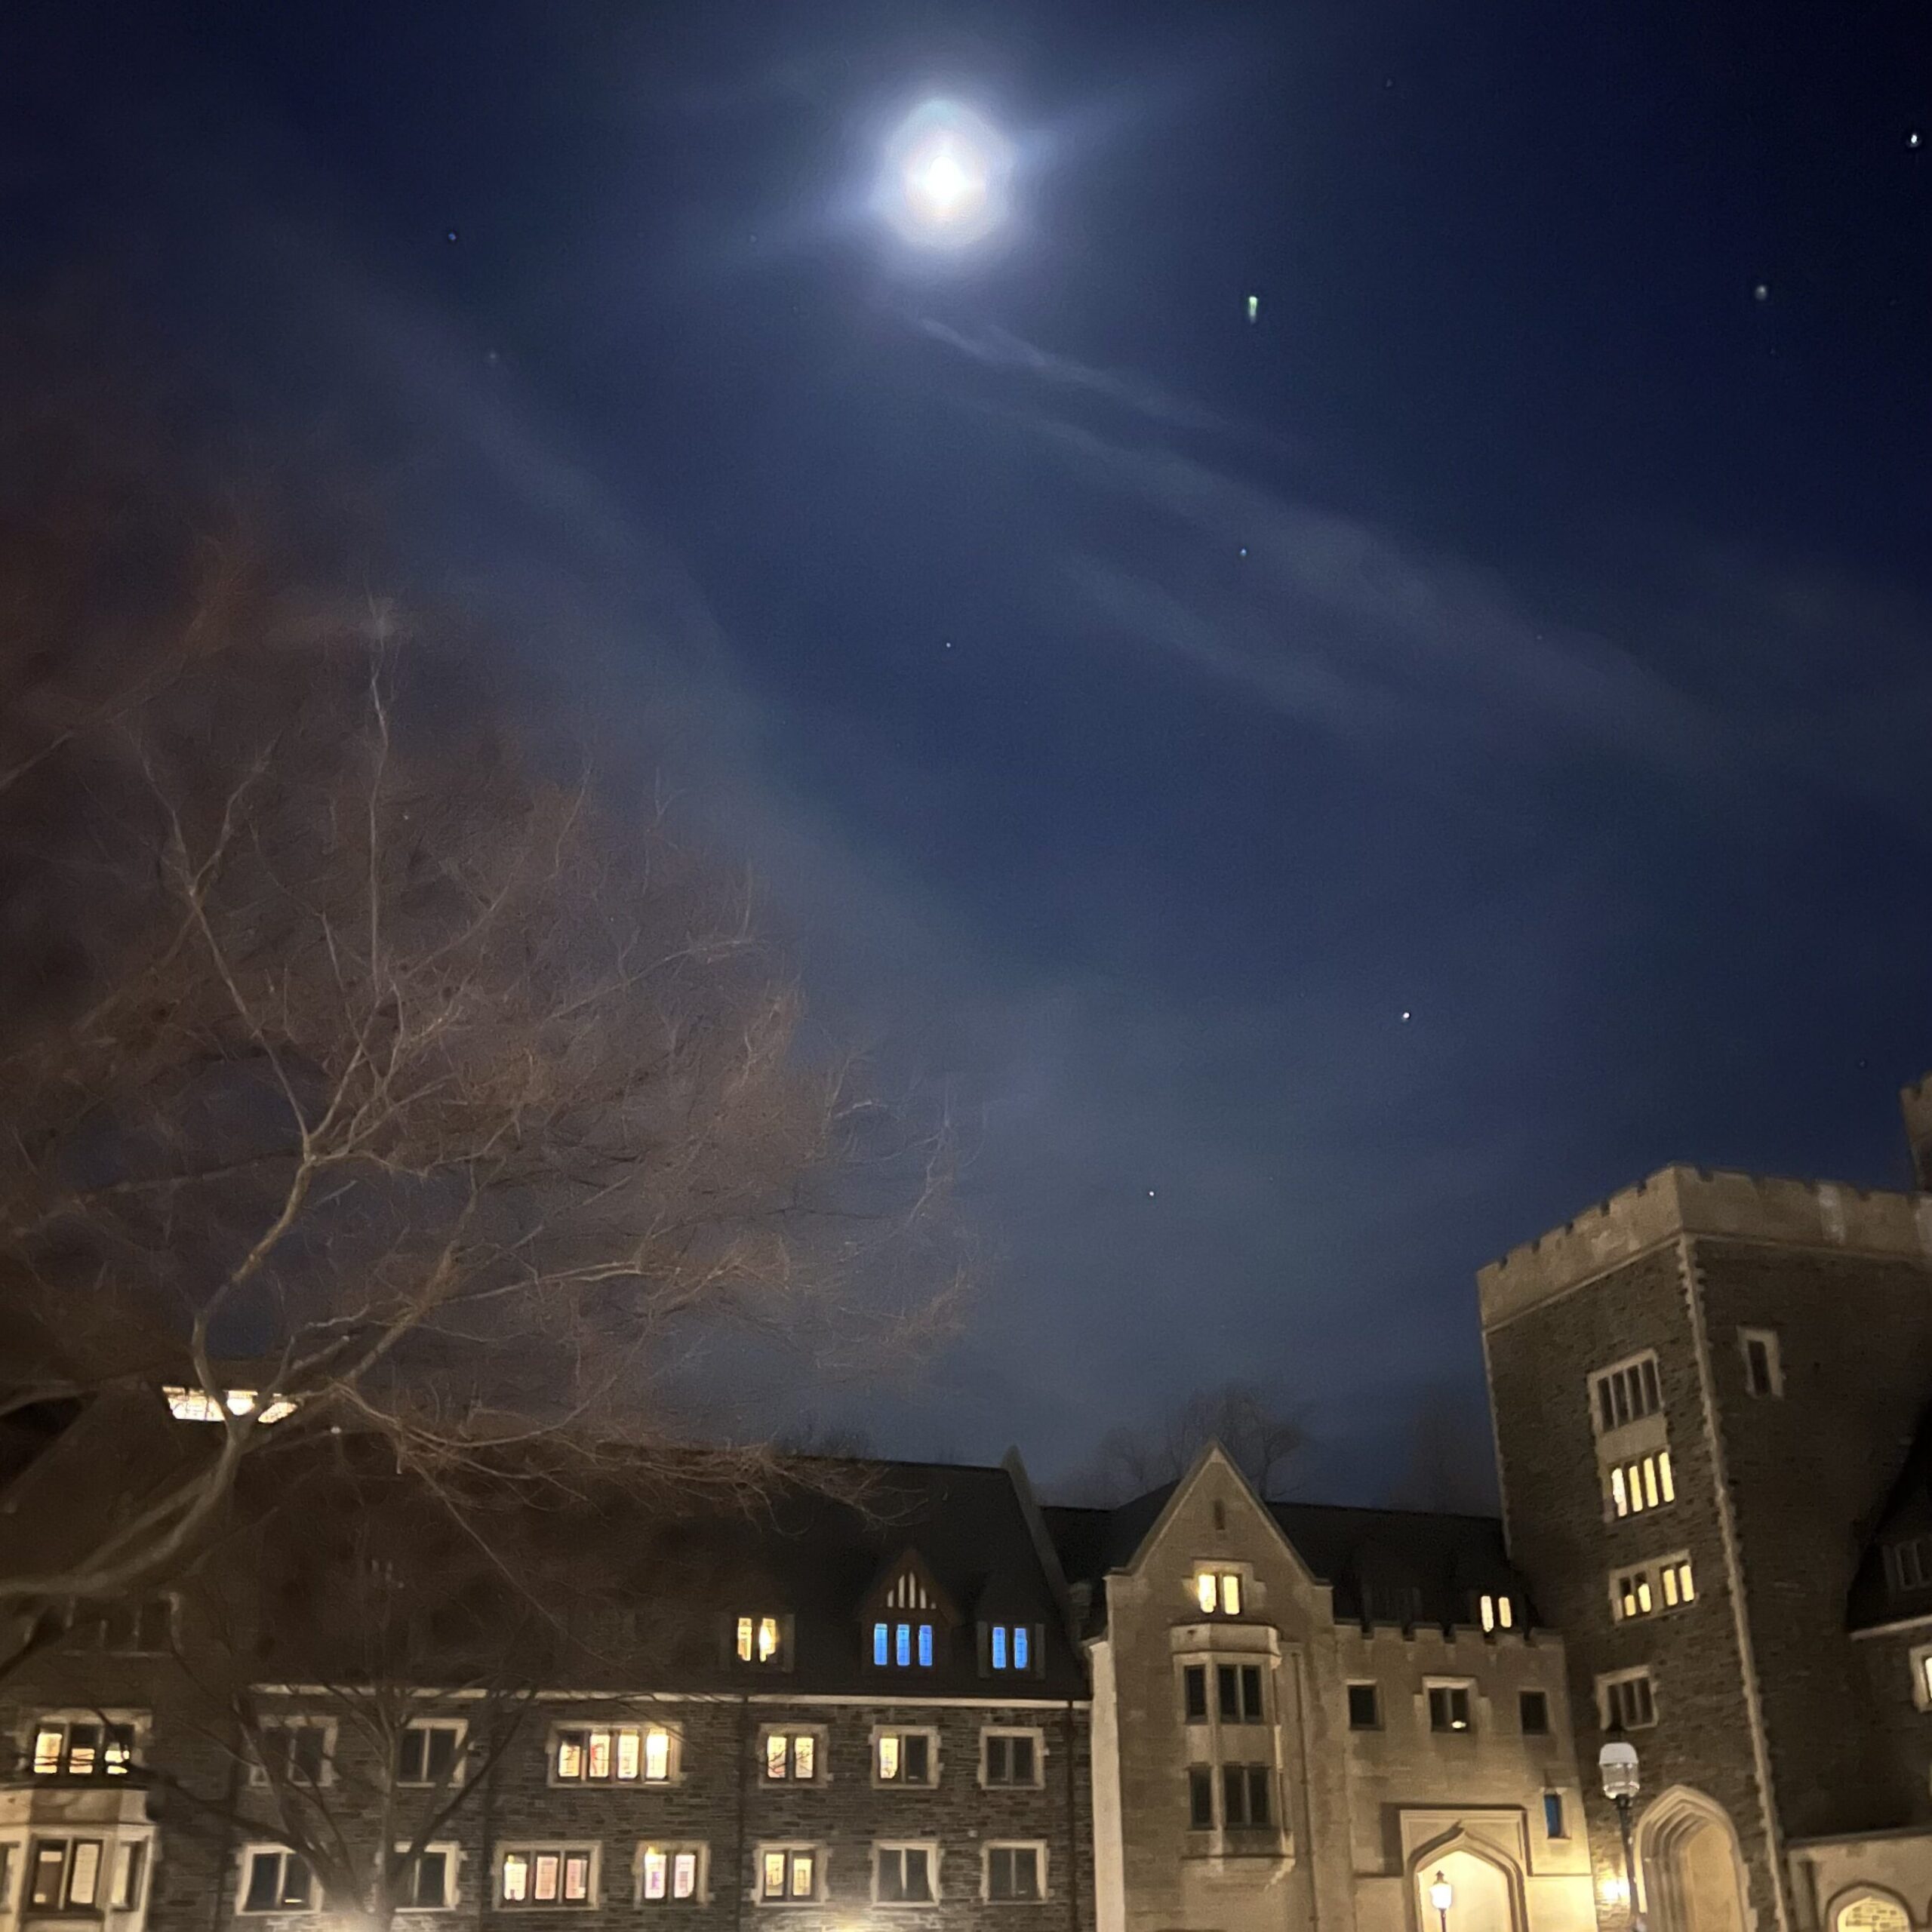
[[1317, 800]]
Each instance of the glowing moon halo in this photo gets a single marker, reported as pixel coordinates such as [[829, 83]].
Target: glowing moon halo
[[943, 185]]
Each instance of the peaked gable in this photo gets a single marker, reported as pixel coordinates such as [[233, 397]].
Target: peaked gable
[[907, 1587]]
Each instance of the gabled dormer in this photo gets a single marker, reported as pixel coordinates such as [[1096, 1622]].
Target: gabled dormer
[[907, 1618]]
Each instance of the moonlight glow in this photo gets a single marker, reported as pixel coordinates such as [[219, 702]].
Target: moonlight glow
[[944, 178]]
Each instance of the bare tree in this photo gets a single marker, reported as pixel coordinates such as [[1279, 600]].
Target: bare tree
[[1263, 1437], [362, 1075], [1450, 1464]]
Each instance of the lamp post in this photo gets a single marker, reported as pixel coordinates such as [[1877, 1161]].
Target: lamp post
[[1442, 1895], [1616, 1763]]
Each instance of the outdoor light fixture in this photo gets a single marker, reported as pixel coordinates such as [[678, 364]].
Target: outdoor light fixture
[[1442, 1895], [1616, 1764]]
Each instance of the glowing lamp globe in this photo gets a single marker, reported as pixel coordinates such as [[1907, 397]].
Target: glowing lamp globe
[[1442, 1894], [945, 180]]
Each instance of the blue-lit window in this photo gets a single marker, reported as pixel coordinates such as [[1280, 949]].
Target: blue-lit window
[[1011, 1646], [895, 1643]]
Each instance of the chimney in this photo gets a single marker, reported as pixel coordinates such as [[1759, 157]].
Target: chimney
[[1916, 1102]]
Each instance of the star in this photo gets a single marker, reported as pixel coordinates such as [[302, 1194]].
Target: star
[[1762, 293], [1405, 1014], [1911, 140], [949, 644], [1150, 1194], [1244, 549], [449, 235]]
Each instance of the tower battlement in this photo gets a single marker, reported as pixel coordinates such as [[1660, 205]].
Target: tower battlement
[[1708, 1200]]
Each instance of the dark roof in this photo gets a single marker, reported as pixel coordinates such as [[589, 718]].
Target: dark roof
[[1404, 1566], [1907, 1513]]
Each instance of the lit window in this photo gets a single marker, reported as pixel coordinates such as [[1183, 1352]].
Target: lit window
[[1009, 1646], [1012, 1757], [198, 1405], [1626, 1392], [279, 1880], [1665, 1585], [897, 1644], [903, 1873], [1218, 1593], [1013, 1871], [556, 1875], [903, 1757], [761, 1640], [63, 1875], [787, 1873], [1497, 1613], [1645, 1482], [426, 1752], [1628, 1700], [1921, 1682], [1449, 1707], [791, 1755], [620, 1754], [75, 1748], [1764, 1372], [668, 1873], [1555, 1825]]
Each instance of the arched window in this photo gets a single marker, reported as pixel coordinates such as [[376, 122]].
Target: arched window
[[1870, 1911]]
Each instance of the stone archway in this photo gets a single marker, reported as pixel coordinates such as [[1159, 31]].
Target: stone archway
[[1486, 1888], [1688, 1867]]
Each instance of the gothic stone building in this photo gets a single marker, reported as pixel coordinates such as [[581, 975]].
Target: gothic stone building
[[1710, 1399]]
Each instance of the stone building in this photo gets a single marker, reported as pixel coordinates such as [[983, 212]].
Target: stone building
[[1304, 1717], [869, 1711], [1709, 1395]]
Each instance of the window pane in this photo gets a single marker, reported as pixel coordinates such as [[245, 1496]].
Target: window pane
[[597, 1758], [442, 1751], [1535, 1714], [1227, 1688], [918, 1760], [744, 1640], [1234, 1795], [411, 1767], [656, 1873], [774, 1871], [1200, 1798], [767, 1639], [1206, 1588], [1023, 1760], [918, 1880], [47, 1743], [657, 1756], [569, 1754], [516, 1877], [925, 1647], [1022, 1643], [1231, 1595], [777, 1748], [879, 1653], [1257, 1795], [432, 1871], [1025, 1873], [83, 1871], [1665, 1484], [1363, 1715], [803, 1752], [999, 1646], [802, 1874], [1194, 1692], [127, 1886], [888, 1757], [1250, 1692], [577, 1875], [549, 1871], [83, 1749], [1553, 1814], [903, 1646], [264, 1892], [309, 1753], [684, 1875]]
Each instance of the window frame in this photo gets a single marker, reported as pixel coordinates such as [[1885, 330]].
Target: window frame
[[907, 1643], [789, 1849], [673, 1759], [128, 1728], [744, 1627], [244, 1874], [1451, 1687], [1607, 1379], [1008, 1639], [1629, 1479], [1374, 1686], [1897, 1580], [672, 1849], [1767, 1338], [1007, 1732], [898, 1780], [530, 1851], [426, 1783], [450, 1852], [1243, 1673], [1496, 1610], [70, 1842], [1670, 1581], [1230, 1604], [1248, 1776], [1921, 1676], [928, 1849], [1545, 1728], [1610, 1683], [286, 1724], [792, 1733], [1556, 1817], [1037, 1846]]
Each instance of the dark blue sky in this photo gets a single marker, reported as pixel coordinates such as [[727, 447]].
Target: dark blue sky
[[1572, 696]]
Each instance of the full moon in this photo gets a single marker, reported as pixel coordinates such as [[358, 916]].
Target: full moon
[[945, 179]]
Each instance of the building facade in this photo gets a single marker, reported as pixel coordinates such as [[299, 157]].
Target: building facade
[[1709, 1396]]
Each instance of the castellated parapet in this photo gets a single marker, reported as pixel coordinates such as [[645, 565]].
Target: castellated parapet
[[1713, 1201]]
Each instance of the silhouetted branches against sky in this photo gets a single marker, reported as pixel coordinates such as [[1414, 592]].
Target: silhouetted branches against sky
[[1265, 1437], [353, 1058]]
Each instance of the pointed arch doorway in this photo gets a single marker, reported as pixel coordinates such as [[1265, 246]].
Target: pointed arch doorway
[[1483, 1887], [1690, 1867]]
